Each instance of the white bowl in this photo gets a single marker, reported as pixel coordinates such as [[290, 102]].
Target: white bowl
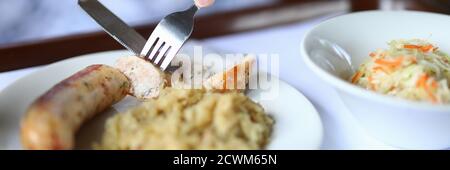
[[398, 122]]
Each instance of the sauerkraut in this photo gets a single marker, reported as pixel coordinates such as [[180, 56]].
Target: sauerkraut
[[190, 119]]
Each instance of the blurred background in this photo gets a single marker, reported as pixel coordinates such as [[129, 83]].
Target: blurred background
[[60, 29], [24, 20]]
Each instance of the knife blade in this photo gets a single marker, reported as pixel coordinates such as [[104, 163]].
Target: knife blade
[[114, 26]]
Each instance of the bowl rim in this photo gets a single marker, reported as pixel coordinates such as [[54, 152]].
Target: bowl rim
[[354, 90]]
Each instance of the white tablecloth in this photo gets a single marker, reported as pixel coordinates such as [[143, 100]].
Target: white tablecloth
[[340, 128]]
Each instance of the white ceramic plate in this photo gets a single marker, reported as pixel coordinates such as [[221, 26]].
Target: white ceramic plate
[[298, 125]]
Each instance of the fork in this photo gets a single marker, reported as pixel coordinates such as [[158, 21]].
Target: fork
[[169, 36], [165, 41]]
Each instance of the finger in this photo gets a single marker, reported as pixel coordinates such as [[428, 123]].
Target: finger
[[204, 3]]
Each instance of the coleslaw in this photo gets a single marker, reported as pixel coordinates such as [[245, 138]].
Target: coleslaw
[[411, 69]]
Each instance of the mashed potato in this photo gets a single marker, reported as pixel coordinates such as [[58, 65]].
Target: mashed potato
[[190, 119]]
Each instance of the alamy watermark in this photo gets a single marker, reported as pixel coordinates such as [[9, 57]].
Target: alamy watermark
[[231, 71]]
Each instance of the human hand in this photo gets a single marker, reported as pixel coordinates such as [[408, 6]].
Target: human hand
[[203, 3]]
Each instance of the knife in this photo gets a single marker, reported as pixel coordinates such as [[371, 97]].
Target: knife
[[114, 26]]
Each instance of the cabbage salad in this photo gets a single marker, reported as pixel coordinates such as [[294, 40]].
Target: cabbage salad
[[411, 69]]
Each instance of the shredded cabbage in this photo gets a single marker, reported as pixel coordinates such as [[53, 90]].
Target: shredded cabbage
[[411, 69]]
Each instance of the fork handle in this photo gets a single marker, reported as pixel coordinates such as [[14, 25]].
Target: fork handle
[[192, 10]]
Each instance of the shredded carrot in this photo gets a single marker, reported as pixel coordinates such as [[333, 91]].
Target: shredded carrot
[[356, 77], [422, 80], [427, 48], [371, 84], [430, 94], [424, 48], [410, 46], [380, 68], [434, 84], [392, 63], [422, 83]]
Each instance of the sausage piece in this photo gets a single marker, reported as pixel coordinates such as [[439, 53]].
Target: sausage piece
[[146, 79], [53, 119]]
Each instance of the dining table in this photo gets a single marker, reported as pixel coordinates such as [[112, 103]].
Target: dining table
[[281, 37]]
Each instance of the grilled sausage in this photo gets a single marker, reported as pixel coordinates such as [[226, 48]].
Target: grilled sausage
[[146, 79], [53, 119]]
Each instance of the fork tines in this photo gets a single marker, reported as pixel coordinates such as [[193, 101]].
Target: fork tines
[[168, 37]]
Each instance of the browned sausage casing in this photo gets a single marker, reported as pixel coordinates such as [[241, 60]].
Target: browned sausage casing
[[53, 119]]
